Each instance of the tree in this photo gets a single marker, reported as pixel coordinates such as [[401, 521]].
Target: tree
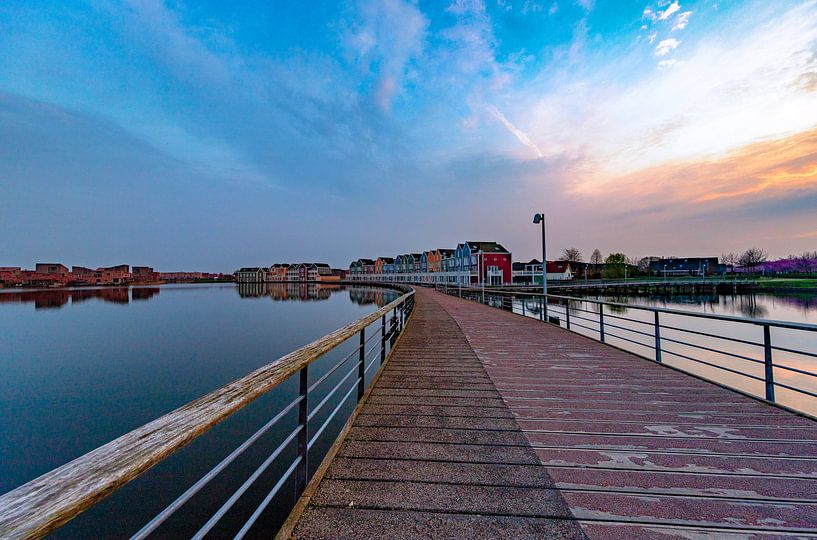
[[571, 255], [596, 257], [752, 257], [614, 265], [730, 259]]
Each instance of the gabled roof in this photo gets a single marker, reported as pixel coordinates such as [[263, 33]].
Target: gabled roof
[[446, 252], [487, 247], [321, 265], [366, 261], [387, 260], [558, 267], [250, 269]]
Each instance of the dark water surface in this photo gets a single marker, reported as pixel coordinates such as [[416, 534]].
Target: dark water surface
[[82, 366]]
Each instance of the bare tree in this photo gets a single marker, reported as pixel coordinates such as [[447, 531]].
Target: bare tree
[[596, 257], [571, 255], [752, 257], [730, 258]]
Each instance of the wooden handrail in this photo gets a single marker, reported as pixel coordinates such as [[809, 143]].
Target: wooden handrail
[[51, 500]]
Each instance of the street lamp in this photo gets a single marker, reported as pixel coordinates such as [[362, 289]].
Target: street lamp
[[540, 218]]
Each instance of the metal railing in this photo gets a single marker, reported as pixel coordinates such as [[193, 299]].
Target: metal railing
[[48, 502], [668, 332]]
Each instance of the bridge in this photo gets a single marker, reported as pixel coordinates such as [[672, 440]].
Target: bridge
[[486, 423]]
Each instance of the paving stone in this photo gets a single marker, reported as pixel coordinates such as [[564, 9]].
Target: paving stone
[[363, 524]]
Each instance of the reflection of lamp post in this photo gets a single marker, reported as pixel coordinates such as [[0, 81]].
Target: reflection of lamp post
[[665, 272], [540, 218]]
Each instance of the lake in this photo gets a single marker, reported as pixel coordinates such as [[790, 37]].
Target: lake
[[798, 307], [84, 366]]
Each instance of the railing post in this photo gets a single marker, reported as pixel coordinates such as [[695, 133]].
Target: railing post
[[383, 340], [361, 365], [523, 306], [767, 348], [567, 313], [657, 338], [303, 436], [541, 308], [601, 323]]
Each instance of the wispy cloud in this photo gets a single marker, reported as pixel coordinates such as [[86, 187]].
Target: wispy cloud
[[665, 46], [518, 133]]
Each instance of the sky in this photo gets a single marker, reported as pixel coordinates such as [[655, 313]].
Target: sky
[[210, 135]]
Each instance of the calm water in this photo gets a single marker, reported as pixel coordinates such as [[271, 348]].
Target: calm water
[[83, 366], [799, 307]]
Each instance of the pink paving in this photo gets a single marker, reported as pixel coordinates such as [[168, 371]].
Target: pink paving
[[486, 424], [641, 450]]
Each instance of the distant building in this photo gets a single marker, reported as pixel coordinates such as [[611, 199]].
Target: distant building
[[142, 272], [50, 268], [250, 275], [531, 271], [688, 266]]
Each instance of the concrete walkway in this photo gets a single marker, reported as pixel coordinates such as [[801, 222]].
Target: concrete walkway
[[486, 424]]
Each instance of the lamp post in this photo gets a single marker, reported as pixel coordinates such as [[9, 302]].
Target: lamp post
[[540, 218]]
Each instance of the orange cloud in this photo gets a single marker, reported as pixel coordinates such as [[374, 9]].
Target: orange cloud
[[765, 169]]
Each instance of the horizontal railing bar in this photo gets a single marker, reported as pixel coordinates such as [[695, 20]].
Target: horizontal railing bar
[[760, 322], [264, 503], [595, 321], [716, 336], [204, 480], [332, 392], [761, 379], [634, 331], [245, 486], [49, 501], [374, 347], [372, 336], [783, 385], [705, 348], [334, 368], [373, 362], [332, 414], [796, 370], [648, 323], [608, 334], [594, 330], [794, 351]]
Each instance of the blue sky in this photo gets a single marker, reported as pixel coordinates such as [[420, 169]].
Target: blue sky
[[211, 135]]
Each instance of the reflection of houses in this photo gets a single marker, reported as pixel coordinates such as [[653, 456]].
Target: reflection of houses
[[56, 298], [292, 290]]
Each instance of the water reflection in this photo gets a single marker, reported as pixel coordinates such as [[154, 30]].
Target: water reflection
[[754, 306], [281, 292], [57, 298]]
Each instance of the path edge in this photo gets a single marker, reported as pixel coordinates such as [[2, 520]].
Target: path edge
[[286, 530]]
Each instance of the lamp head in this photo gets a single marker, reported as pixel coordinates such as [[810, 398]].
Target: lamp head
[[538, 218]]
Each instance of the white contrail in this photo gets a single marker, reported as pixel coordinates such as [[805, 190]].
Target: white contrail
[[519, 134]]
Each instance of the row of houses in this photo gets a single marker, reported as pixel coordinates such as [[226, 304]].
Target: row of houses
[[470, 263], [58, 275], [285, 272]]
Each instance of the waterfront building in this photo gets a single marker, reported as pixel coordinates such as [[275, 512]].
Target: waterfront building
[[252, 274], [687, 266], [488, 262], [142, 272], [531, 271], [50, 268]]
